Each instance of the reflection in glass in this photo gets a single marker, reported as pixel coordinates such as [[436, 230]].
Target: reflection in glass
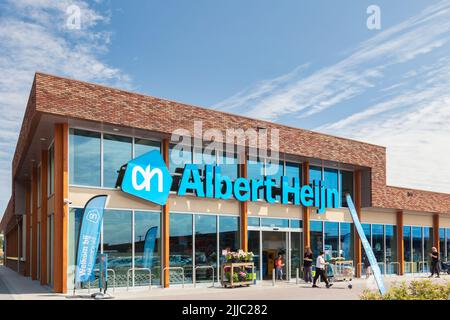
[[116, 152], [117, 242], [205, 246], [228, 166], [346, 185], [427, 244], [296, 253], [417, 247], [407, 247], [367, 233], [315, 174], [253, 222], [142, 146], [84, 158], [145, 224], [316, 237], [74, 227], [442, 252], [391, 249], [378, 244], [447, 232], [253, 246], [274, 223], [178, 157], [228, 233], [180, 246], [331, 240], [296, 224], [255, 170], [346, 240]]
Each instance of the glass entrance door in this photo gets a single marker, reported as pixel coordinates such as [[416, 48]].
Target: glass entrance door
[[274, 244]]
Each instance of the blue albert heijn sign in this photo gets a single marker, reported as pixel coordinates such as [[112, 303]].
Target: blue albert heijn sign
[[147, 177]]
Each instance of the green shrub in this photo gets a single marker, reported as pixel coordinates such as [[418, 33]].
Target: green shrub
[[416, 290]]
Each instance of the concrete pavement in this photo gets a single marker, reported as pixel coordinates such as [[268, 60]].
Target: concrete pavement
[[15, 286]]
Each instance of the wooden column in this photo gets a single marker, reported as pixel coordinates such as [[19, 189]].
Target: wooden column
[[34, 224], [43, 224], [400, 244], [166, 222], [306, 210], [436, 239], [60, 245], [27, 272], [357, 200], [244, 206]]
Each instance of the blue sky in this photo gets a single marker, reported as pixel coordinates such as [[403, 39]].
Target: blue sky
[[310, 64]]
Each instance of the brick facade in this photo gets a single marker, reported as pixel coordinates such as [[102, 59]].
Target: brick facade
[[85, 101]]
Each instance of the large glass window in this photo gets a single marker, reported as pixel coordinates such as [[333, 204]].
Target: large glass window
[[368, 233], [84, 158], [205, 246], [316, 234], [228, 233], [293, 170], [417, 248], [75, 217], [255, 170], [442, 251], [178, 158], [331, 240], [147, 246], [391, 249], [253, 222], [180, 246], [346, 186], [427, 245], [407, 248], [117, 242], [296, 253], [116, 152], [228, 166], [315, 174], [447, 231], [331, 180], [254, 247], [378, 244], [142, 146], [274, 223], [346, 240]]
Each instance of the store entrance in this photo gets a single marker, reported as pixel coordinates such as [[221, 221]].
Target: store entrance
[[274, 243]]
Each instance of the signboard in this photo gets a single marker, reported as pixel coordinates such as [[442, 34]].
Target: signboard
[[366, 245], [149, 246], [89, 238]]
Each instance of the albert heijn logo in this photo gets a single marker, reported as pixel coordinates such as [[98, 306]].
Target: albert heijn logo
[[146, 177]]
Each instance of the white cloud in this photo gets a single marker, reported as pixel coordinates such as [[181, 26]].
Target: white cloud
[[407, 111], [34, 37]]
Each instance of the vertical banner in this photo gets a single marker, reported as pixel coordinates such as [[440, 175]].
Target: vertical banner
[[366, 245], [89, 237], [149, 246]]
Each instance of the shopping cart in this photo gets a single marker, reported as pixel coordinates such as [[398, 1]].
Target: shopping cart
[[341, 271]]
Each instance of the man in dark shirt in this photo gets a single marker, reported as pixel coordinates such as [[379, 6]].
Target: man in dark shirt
[[434, 262]]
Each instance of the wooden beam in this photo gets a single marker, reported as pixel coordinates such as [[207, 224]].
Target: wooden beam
[[60, 244], [357, 199], [43, 224], [306, 210], [400, 244], [166, 221], [243, 205], [34, 224]]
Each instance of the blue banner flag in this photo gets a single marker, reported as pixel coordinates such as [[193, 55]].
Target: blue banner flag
[[89, 237], [366, 245], [149, 246]]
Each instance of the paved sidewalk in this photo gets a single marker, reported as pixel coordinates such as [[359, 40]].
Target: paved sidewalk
[[15, 286]]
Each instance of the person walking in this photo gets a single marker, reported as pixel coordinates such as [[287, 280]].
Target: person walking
[[307, 265], [320, 271], [279, 267], [434, 254]]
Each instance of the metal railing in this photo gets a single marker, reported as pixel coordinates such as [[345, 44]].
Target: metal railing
[[202, 267], [423, 263], [140, 269], [411, 269], [114, 280], [175, 268], [398, 268]]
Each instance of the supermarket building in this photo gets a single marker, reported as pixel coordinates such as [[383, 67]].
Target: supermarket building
[[75, 136]]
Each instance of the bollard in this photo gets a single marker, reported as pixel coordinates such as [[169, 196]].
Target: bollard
[[273, 277], [296, 276]]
